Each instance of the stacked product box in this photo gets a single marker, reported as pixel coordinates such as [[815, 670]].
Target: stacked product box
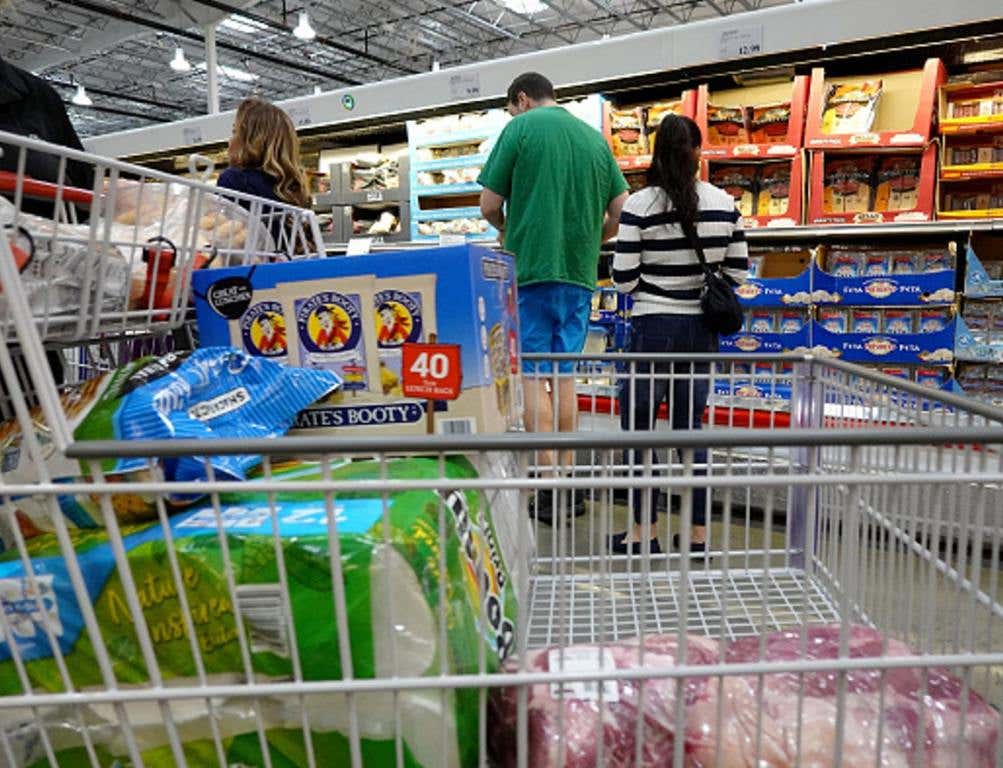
[[776, 297], [752, 148], [893, 308], [971, 175], [980, 330], [359, 316], [870, 140]]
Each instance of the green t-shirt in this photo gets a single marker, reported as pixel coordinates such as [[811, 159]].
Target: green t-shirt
[[557, 176]]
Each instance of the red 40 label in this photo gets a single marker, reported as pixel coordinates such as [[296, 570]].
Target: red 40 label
[[431, 371]]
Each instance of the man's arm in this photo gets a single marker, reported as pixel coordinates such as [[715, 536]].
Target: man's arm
[[611, 225], [493, 209]]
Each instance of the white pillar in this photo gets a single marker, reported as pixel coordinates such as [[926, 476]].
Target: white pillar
[[211, 70]]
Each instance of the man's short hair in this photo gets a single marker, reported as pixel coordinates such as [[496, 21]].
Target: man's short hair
[[533, 84]]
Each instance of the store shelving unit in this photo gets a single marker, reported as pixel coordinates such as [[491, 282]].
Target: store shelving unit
[[346, 205]]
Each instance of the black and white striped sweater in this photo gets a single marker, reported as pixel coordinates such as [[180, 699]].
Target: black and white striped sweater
[[654, 260]]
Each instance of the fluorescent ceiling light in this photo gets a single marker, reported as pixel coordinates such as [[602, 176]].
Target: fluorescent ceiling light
[[179, 63], [231, 72], [239, 23], [80, 98], [303, 29], [525, 7]]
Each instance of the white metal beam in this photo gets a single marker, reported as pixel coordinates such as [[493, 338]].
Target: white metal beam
[[784, 28]]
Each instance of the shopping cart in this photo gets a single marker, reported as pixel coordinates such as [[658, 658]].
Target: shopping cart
[[849, 611]]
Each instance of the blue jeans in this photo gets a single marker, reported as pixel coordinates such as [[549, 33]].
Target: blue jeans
[[684, 395]]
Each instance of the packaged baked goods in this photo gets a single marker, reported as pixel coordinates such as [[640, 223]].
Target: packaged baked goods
[[762, 321], [769, 123], [876, 263], [848, 184], [897, 183], [653, 115], [933, 320], [755, 266], [851, 107], [726, 126], [906, 263], [791, 321], [832, 319], [963, 154], [978, 317], [333, 329], [774, 189], [844, 263], [931, 377], [898, 321], [627, 132], [937, 261], [739, 181], [865, 321], [401, 308]]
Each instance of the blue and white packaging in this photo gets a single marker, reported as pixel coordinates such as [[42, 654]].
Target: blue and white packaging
[[463, 295]]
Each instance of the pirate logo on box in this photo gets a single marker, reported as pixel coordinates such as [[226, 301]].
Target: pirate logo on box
[[263, 330], [398, 318], [329, 322]]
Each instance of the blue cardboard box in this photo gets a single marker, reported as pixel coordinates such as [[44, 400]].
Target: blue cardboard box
[[330, 316]]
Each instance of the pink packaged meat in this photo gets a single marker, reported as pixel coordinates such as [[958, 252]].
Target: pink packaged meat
[[578, 714], [890, 717]]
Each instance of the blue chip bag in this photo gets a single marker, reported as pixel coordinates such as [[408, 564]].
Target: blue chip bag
[[210, 394]]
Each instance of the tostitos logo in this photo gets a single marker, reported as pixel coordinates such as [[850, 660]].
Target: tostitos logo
[[263, 330], [398, 318], [329, 322], [748, 290], [880, 346], [880, 289]]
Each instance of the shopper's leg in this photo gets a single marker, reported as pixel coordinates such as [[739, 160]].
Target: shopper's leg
[[567, 413], [538, 413]]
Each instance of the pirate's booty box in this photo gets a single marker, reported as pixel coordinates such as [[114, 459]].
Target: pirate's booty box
[[369, 318]]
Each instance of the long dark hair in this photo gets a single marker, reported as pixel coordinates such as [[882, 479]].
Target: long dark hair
[[674, 165]]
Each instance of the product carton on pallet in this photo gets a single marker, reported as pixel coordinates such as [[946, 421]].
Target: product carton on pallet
[[438, 323]]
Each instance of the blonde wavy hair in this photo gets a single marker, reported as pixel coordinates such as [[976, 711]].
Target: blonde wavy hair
[[264, 138]]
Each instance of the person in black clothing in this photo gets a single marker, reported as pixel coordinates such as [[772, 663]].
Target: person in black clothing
[[29, 106]]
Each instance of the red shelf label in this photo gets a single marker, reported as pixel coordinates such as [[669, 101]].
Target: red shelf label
[[431, 371]]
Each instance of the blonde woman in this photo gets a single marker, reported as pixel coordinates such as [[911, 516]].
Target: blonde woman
[[265, 155]]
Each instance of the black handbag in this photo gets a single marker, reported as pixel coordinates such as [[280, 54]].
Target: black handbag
[[722, 312]]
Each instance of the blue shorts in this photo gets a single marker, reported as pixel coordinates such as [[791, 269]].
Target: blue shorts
[[553, 317]]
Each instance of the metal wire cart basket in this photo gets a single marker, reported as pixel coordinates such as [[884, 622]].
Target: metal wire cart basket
[[389, 602]]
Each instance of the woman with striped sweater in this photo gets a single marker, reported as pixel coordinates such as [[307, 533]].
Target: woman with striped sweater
[[657, 264]]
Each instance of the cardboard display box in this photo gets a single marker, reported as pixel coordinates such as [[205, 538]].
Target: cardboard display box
[[630, 130], [967, 107], [781, 278], [860, 187], [358, 315], [769, 180], [903, 113], [762, 138]]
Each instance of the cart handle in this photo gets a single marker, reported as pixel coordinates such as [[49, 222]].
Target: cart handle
[[44, 190]]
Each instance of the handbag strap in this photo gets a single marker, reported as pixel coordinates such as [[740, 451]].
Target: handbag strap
[[690, 230]]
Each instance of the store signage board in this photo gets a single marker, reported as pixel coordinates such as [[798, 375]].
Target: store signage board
[[191, 134], [466, 85], [300, 115], [741, 41], [359, 246]]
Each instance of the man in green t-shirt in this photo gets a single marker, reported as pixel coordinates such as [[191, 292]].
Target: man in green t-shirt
[[554, 192]]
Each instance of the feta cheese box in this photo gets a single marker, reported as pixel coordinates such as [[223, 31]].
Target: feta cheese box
[[459, 295]]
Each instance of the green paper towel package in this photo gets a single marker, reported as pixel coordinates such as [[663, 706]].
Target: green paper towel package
[[394, 589]]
